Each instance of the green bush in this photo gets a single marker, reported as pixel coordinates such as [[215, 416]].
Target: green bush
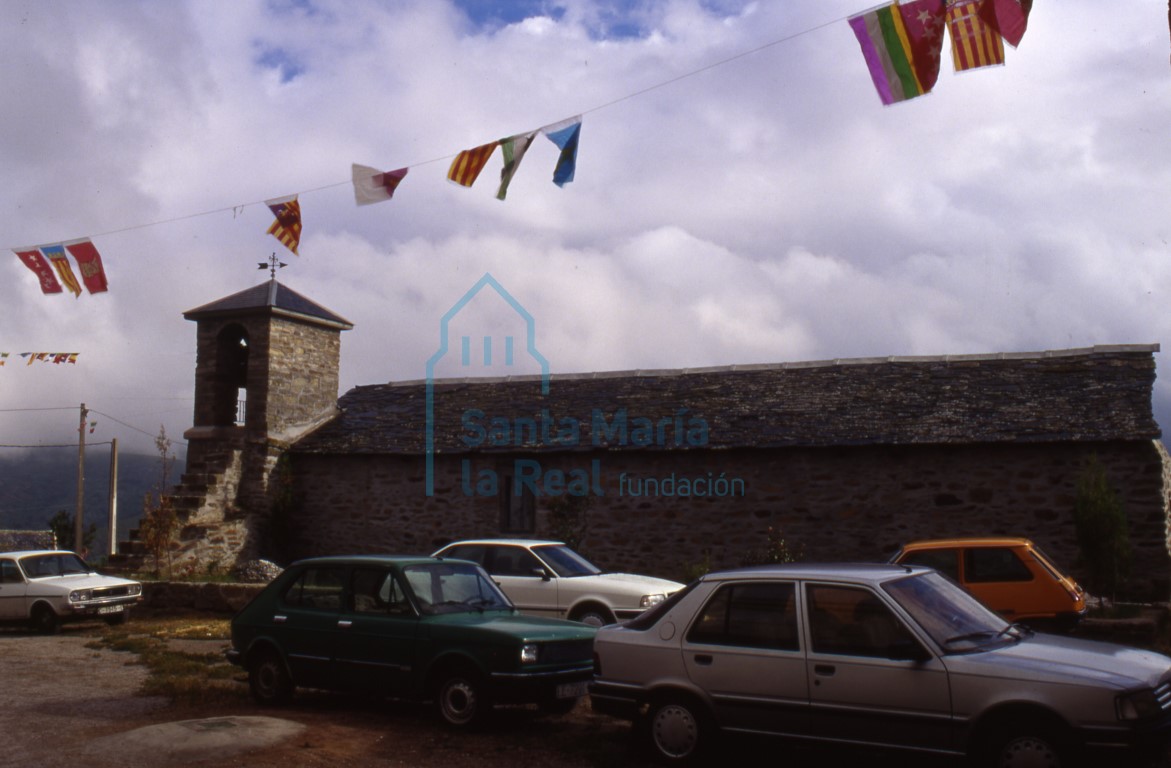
[[1102, 534]]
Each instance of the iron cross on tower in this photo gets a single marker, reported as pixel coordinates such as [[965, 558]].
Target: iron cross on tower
[[273, 264]]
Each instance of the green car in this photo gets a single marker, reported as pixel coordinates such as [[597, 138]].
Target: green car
[[417, 628]]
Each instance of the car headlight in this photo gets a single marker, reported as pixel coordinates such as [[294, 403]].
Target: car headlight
[[135, 589], [1138, 705], [528, 653], [80, 595], [648, 600]]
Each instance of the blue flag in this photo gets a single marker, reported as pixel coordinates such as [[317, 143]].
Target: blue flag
[[565, 135]]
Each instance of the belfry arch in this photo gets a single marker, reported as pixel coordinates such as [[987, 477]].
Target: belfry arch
[[230, 392]]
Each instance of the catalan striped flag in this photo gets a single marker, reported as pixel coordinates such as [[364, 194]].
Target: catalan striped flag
[[287, 226], [56, 256], [467, 164], [974, 43], [902, 45]]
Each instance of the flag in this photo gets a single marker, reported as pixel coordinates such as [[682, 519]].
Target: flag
[[89, 261], [373, 186], [973, 43], [925, 21], [513, 149], [901, 47], [882, 38], [565, 135], [34, 260], [1008, 17], [287, 227], [56, 256], [467, 164]]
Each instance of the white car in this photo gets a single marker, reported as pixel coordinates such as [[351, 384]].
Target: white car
[[547, 578], [44, 588]]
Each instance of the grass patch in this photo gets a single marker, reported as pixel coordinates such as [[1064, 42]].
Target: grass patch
[[182, 672]]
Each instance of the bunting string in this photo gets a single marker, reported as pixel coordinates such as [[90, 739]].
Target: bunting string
[[56, 358], [901, 43]]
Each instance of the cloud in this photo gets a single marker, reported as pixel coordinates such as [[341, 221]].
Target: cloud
[[740, 197]]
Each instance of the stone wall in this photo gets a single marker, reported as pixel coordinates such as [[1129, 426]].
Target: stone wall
[[211, 597], [837, 504], [302, 375]]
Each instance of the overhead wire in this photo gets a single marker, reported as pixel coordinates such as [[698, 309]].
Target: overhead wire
[[605, 105]]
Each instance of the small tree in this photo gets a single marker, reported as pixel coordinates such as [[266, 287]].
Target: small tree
[[157, 529], [61, 524], [1102, 535], [159, 521], [775, 549], [569, 519]]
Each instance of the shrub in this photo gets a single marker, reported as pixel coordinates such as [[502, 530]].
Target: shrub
[[1102, 535]]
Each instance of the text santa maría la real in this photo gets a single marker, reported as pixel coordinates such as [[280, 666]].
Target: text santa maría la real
[[600, 430]]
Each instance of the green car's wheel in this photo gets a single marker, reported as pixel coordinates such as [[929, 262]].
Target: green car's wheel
[[461, 699], [269, 680]]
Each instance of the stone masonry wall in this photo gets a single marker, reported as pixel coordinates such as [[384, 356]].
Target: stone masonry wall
[[837, 504], [302, 375]]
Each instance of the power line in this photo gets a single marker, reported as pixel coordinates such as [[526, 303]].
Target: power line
[[635, 94]]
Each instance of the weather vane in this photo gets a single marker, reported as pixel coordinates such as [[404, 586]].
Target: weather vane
[[272, 265]]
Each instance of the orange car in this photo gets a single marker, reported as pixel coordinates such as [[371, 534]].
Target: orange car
[[1012, 576]]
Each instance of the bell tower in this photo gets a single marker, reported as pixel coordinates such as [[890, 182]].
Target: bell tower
[[266, 373]]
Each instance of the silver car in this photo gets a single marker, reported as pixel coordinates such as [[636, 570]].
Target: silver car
[[876, 655]]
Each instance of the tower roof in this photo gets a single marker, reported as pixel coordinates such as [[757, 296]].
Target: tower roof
[[270, 297]]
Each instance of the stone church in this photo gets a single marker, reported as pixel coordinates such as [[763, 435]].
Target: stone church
[[662, 471]]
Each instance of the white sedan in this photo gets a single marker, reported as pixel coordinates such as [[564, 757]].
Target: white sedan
[[547, 578], [46, 587]]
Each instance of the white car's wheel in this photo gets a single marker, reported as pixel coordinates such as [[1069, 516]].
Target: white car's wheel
[[592, 616], [44, 620]]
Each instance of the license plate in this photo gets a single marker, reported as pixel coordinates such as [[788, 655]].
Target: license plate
[[571, 690], [111, 609]]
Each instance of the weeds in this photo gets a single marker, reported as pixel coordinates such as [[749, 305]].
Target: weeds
[[186, 673]]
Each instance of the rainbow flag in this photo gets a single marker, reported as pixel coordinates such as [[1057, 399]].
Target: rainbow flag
[[902, 45]]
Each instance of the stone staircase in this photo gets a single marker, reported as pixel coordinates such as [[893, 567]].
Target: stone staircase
[[203, 500]]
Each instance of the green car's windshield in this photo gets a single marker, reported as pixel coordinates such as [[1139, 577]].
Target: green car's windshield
[[565, 562], [56, 564], [955, 620], [453, 588]]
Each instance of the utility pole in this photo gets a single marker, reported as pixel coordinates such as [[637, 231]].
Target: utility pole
[[113, 548], [78, 523]]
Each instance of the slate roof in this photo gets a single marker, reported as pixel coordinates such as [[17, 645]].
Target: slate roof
[[273, 297], [1091, 394]]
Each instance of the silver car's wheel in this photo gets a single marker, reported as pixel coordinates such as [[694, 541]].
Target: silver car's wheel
[[1029, 751], [676, 731]]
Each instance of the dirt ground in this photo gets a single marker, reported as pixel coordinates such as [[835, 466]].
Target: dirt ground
[[66, 701], [61, 701]]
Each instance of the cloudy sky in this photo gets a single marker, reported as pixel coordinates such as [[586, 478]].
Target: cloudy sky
[[741, 195]]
